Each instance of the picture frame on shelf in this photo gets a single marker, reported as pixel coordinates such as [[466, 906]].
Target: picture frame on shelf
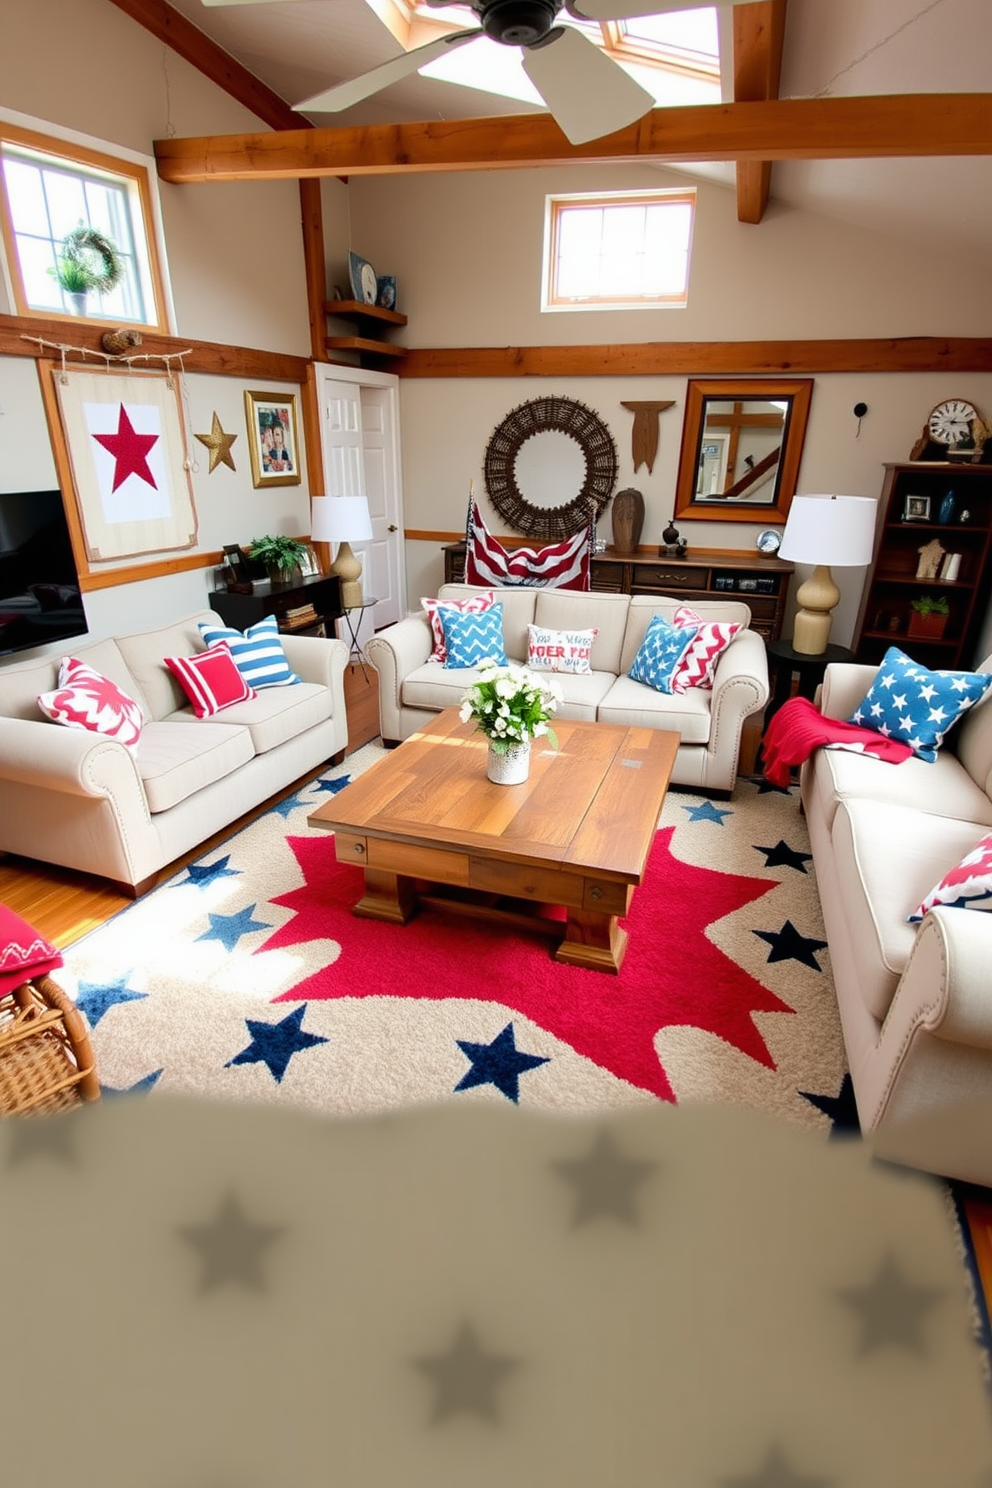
[[364, 280], [236, 567], [916, 509], [309, 564], [273, 441], [386, 291]]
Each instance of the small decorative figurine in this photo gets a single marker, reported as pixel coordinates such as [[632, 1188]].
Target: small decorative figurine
[[672, 546], [930, 558]]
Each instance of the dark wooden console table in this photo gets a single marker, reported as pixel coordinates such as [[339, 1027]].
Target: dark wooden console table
[[266, 598], [705, 573]]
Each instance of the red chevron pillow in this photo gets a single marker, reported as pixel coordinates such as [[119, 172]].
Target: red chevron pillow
[[474, 605], [699, 663], [24, 952], [85, 699]]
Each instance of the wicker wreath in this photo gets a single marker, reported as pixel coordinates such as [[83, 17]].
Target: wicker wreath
[[540, 416], [87, 248]]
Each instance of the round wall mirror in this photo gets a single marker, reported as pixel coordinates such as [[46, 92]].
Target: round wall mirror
[[550, 467]]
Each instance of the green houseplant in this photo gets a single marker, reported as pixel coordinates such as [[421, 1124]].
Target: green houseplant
[[87, 260], [279, 554], [928, 615]]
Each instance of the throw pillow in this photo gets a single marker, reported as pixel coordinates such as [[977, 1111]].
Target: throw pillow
[[560, 650], [470, 639], [699, 663], [660, 652], [910, 702], [434, 609], [24, 953], [85, 699], [210, 680], [257, 652], [968, 885]]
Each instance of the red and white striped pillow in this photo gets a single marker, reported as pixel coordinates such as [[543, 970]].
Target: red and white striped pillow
[[210, 680], [85, 699], [699, 663], [474, 605]]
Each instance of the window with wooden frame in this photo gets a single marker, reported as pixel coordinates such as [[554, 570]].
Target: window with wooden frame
[[78, 232], [618, 250]]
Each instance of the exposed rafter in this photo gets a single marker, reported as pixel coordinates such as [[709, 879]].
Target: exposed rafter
[[759, 37], [932, 124]]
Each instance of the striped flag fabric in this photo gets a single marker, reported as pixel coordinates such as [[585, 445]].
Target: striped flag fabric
[[563, 565]]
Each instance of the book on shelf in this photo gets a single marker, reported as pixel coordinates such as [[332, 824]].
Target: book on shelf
[[297, 612]]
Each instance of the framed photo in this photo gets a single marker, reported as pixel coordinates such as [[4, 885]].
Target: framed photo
[[309, 564], [273, 442], [916, 509]]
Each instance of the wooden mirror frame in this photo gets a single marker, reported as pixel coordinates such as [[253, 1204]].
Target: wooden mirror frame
[[800, 391]]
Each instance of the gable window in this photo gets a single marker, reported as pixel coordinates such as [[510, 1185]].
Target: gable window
[[77, 228], [617, 251]]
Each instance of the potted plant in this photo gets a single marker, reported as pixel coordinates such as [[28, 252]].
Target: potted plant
[[87, 260], [279, 554], [928, 616], [511, 705]]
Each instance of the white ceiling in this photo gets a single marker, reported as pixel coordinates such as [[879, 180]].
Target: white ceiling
[[832, 47]]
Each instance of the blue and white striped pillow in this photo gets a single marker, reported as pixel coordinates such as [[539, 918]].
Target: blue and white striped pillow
[[258, 653]]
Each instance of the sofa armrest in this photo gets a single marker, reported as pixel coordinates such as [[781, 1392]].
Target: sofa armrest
[[945, 987], [395, 652], [844, 685], [66, 759], [317, 659], [740, 679]]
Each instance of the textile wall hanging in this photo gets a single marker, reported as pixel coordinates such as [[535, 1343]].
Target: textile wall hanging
[[130, 469]]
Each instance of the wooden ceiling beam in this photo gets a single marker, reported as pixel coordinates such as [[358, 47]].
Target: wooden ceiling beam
[[933, 124], [759, 37]]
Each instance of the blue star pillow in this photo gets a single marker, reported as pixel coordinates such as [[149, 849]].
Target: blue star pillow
[[911, 703], [660, 652], [469, 639]]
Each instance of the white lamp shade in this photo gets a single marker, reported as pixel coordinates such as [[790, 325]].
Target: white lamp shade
[[339, 519], [838, 531]]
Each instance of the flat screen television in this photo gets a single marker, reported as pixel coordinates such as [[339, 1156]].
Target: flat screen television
[[39, 586]]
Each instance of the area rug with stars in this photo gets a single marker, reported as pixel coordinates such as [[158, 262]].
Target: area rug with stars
[[247, 977]]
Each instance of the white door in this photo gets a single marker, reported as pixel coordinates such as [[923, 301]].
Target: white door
[[361, 452]]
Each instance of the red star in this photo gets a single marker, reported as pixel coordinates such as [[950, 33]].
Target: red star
[[673, 973], [129, 449]]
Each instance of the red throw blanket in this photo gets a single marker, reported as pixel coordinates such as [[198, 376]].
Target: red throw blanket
[[798, 728]]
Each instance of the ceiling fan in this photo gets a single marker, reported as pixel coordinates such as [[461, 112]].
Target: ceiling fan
[[588, 94]]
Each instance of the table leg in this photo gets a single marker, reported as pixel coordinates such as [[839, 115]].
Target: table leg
[[388, 896], [594, 940]]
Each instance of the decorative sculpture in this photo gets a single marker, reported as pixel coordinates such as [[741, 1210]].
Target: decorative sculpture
[[930, 557]]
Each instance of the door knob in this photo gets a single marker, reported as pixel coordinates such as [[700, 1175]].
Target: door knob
[[392, 527]]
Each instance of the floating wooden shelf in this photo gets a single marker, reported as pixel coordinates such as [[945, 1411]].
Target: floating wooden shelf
[[362, 343], [368, 318], [358, 310]]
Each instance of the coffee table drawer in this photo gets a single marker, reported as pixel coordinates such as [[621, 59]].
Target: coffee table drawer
[[525, 881], [608, 897], [351, 849], [413, 861]]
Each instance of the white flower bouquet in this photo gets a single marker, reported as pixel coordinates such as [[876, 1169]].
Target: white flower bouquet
[[511, 705]]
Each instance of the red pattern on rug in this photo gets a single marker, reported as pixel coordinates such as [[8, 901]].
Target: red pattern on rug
[[673, 974]]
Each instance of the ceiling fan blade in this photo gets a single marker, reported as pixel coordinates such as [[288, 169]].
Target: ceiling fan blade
[[345, 94], [627, 10], [588, 94]]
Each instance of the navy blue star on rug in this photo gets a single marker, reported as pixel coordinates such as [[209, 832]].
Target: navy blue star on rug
[[784, 856], [841, 1108], [274, 1044], [284, 808], [228, 929], [202, 874], [706, 811], [140, 1087], [499, 1063], [333, 786], [95, 998], [788, 945]]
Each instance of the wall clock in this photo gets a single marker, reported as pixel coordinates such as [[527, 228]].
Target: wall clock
[[954, 428]]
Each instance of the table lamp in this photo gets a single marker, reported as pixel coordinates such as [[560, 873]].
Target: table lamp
[[343, 520], [825, 530]]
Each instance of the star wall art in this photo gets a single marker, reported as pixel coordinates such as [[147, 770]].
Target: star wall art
[[219, 445]]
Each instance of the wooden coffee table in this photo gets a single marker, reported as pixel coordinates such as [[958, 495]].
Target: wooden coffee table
[[428, 827]]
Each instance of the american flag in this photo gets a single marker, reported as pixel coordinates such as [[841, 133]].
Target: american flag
[[564, 565]]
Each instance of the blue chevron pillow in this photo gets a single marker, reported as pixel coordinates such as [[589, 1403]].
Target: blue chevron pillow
[[660, 652], [469, 639]]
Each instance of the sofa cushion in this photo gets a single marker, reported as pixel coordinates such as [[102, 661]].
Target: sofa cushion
[[565, 651], [966, 885], [632, 704], [972, 740], [944, 788], [257, 651], [210, 680], [919, 706], [86, 699], [564, 609], [470, 639], [886, 858], [643, 606], [273, 715], [660, 652], [518, 611], [582, 695], [21, 683], [174, 763], [144, 653]]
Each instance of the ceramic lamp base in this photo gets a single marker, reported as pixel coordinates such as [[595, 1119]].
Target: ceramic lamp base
[[348, 568], [817, 599]]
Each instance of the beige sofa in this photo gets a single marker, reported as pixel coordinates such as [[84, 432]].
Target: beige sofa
[[79, 799], [412, 689], [915, 999]]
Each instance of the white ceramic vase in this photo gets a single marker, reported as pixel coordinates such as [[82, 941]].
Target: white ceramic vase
[[511, 768]]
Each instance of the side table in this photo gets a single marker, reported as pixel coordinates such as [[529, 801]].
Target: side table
[[785, 663], [356, 654]]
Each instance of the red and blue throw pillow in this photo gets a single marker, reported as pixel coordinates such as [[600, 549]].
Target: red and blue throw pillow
[[660, 652], [918, 706], [435, 609], [968, 885], [699, 663]]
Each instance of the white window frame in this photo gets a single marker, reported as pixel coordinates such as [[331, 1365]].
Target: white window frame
[[69, 150], [552, 301]]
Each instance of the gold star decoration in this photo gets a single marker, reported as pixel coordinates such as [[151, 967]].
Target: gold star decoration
[[219, 445]]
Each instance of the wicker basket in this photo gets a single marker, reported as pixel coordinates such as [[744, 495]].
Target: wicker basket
[[46, 1058]]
